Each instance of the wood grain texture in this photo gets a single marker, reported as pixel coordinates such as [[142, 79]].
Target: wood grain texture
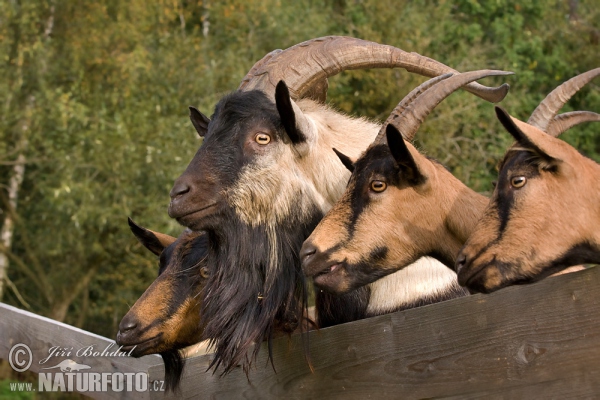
[[541, 340], [536, 341], [40, 334]]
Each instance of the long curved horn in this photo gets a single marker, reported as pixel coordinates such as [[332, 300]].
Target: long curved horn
[[411, 118], [303, 65], [549, 107], [563, 122], [406, 101], [317, 92]]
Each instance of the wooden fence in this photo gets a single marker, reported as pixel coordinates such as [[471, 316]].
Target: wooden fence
[[536, 341]]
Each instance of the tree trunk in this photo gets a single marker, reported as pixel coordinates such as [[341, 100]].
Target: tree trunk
[[573, 5], [61, 306], [6, 235], [205, 18]]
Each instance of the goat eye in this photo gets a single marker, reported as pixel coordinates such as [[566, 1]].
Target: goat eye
[[204, 272], [494, 183], [262, 138], [378, 186], [518, 181]]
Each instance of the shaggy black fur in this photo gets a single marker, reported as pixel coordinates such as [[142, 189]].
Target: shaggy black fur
[[248, 298], [174, 364]]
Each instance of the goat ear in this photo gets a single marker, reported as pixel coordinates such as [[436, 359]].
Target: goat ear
[[402, 155], [529, 136], [289, 114], [199, 120], [345, 160], [154, 241]]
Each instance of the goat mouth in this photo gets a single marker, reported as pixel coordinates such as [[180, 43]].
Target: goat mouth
[[475, 282], [325, 277], [142, 348], [469, 271], [191, 218]]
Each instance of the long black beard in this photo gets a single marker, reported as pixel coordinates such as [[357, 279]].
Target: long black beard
[[174, 364], [249, 296]]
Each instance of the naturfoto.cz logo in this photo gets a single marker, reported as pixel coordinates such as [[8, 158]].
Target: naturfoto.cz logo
[[68, 375]]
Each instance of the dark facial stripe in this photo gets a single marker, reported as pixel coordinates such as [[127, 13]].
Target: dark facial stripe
[[515, 163], [377, 160], [504, 200]]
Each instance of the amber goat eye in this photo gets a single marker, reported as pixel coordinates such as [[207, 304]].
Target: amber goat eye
[[378, 186], [262, 138], [204, 272], [518, 181]]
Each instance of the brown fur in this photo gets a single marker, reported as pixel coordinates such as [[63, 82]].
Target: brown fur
[[430, 218], [557, 210], [158, 327]]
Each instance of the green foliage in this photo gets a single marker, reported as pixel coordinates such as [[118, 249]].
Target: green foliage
[[100, 91], [6, 393]]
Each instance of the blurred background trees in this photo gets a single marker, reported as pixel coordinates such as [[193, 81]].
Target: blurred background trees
[[94, 99]]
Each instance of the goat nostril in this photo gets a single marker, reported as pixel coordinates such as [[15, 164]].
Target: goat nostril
[[460, 262], [308, 249], [179, 188], [127, 325]]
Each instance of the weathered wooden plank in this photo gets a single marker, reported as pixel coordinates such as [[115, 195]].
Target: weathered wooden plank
[[541, 340], [40, 334]]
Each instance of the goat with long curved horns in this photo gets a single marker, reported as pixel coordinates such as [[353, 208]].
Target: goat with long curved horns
[[401, 205], [544, 212], [264, 177]]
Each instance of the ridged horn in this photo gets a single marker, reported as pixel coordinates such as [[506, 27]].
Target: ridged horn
[[304, 65], [549, 107], [317, 92], [405, 102], [563, 122], [411, 118]]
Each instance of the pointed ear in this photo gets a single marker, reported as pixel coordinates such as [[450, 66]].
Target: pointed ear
[[154, 241], [199, 120], [290, 114], [403, 156], [345, 160], [531, 137]]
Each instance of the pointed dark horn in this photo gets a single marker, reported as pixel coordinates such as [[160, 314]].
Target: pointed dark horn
[[409, 122], [549, 107], [563, 122], [304, 65]]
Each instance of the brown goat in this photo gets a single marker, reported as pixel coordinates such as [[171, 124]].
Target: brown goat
[[543, 216], [391, 194], [400, 205], [166, 318]]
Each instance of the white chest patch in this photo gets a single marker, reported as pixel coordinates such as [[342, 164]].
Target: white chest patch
[[422, 279]]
